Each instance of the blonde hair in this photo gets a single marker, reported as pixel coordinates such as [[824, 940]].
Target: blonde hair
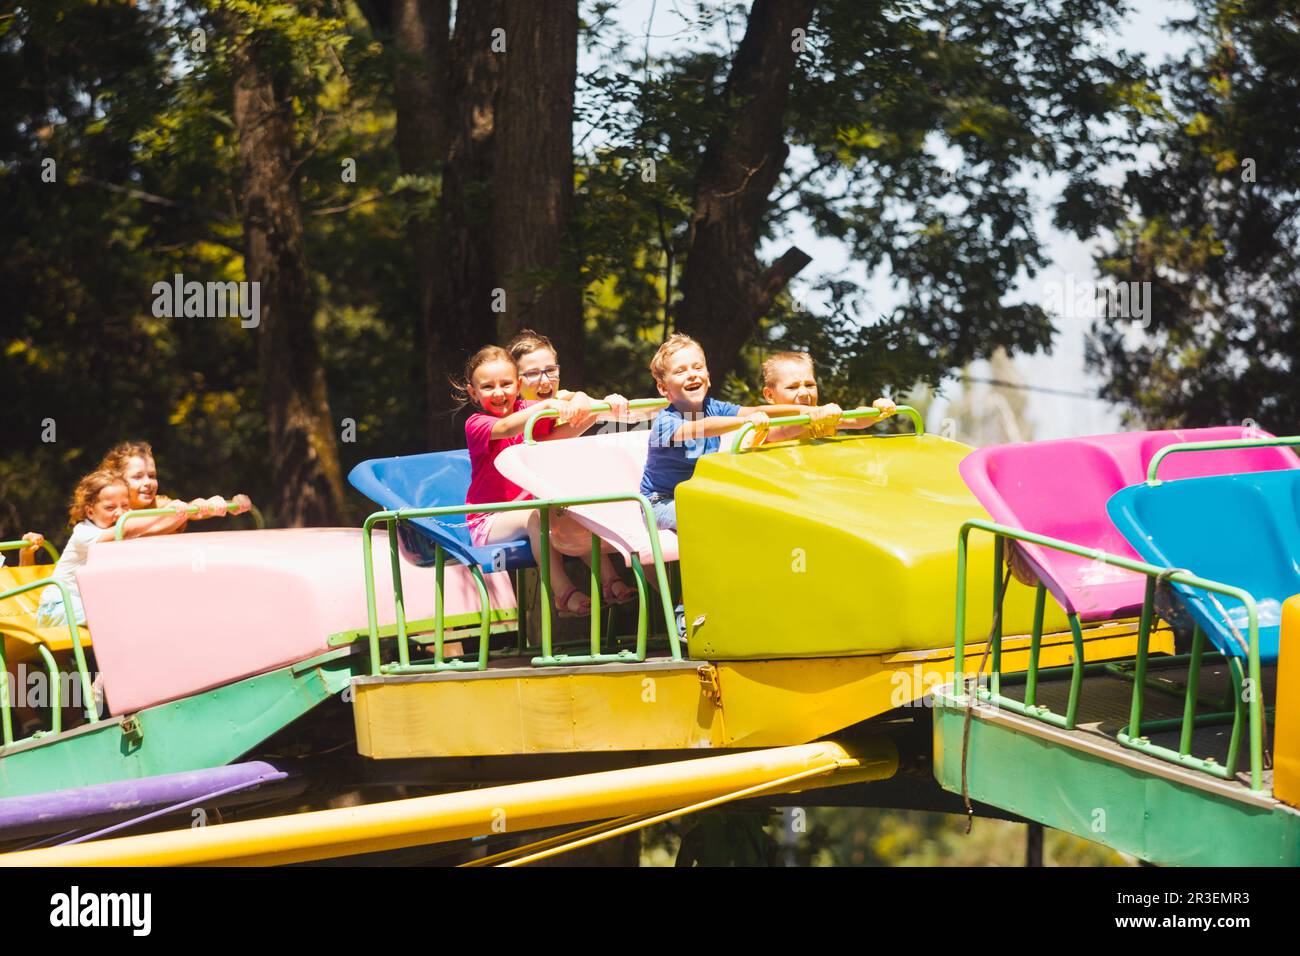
[[528, 341], [88, 491], [769, 366], [120, 454], [673, 344], [488, 353]]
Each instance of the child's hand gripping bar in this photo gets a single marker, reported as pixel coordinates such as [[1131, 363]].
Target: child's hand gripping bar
[[907, 410], [634, 405]]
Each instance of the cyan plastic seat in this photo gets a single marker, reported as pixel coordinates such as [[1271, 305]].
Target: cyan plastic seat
[[1060, 488], [434, 480], [1242, 530]]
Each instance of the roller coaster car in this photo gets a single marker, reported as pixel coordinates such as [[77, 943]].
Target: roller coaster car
[[1060, 489], [176, 615], [842, 546]]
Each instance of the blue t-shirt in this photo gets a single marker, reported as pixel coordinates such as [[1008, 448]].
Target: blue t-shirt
[[669, 463]]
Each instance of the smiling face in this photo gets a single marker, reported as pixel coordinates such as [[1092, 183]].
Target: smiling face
[[686, 379], [792, 383], [142, 479], [113, 501], [494, 386], [539, 375]]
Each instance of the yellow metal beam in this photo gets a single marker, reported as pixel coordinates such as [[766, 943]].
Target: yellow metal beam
[[663, 705], [516, 808]]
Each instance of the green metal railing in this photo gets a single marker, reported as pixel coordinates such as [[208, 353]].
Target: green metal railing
[[120, 528], [906, 410], [634, 405], [50, 549], [51, 666], [1133, 734], [1189, 446], [547, 657]]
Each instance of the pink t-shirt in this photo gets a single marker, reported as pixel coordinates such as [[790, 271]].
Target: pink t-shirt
[[486, 484]]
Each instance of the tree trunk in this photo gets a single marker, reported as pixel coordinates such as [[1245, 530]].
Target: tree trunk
[[725, 290], [419, 33], [534, 178], [464, 275], [304, 457]]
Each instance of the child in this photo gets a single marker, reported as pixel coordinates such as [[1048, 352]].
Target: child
[[788, 377], [539, 375], [133, 461], [492, 383], [539, 379], [691, 425], [100, 499]]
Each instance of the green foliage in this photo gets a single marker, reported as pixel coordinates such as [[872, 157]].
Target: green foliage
[[1213, 223]]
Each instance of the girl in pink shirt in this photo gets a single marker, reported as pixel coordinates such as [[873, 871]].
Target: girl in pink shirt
[[492, 383]]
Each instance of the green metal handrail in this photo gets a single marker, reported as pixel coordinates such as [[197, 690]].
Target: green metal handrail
[[547, 658], [1168, 450], [1130, 736], [50, 549], [917, 424], [83, 672], [539, 414], [120, 528]]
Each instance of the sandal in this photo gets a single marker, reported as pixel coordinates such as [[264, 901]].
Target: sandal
[[562, 605], [608, 595]]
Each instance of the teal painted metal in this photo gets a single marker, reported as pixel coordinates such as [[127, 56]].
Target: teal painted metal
[[50, 549], [78, 653], [1190, 446], [1145, 814], [205, 730], [535, 417], [548, 657], [1128, 736], [917, 424]]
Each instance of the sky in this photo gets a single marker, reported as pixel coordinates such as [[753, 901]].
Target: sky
[[1071, 261]]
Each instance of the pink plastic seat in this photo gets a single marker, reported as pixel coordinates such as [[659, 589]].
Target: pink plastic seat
[[597, 464], [1060, 488], [172, 616]]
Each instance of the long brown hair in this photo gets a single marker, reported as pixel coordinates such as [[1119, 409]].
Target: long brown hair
[[488, 353], [117, 457], [87, 493]]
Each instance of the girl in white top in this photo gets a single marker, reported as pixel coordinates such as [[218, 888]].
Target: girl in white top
[[100, 499]]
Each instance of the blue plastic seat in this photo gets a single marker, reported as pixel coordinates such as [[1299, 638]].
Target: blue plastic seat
[[1241, 530], [430, 481]]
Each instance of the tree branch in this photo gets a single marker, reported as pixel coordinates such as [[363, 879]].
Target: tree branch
[[778, 275]]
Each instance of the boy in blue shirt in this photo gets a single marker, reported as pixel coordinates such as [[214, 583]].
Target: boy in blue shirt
[[691, 425]]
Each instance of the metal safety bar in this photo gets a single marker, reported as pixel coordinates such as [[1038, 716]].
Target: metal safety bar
[[548, 657], [1132, 735], [119, 529], [1227, 444], [635, 404], [78, 652], [906, 410]]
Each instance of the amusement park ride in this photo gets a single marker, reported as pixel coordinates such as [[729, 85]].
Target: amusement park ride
[[840, 637]]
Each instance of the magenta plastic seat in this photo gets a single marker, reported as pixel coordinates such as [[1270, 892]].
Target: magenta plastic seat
[[1060, 488], [172, 616], [593, 465]]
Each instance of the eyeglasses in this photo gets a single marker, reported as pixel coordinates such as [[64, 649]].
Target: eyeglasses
[[551, 371]]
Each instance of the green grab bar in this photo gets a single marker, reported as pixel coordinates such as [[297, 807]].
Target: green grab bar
[[1227, 444], [1128, 737], [917, 424], [83, 673], [50, 549], [547, 657], [539, 414], [120, 528]]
